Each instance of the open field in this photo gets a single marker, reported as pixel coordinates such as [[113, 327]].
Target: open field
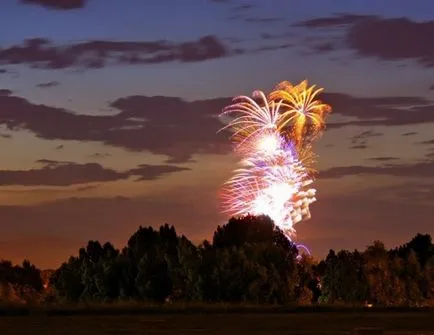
[[393, 323]]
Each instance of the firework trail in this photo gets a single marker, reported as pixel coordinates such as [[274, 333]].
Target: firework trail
[[273, 135]]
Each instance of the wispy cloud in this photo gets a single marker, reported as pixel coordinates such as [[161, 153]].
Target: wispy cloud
[[57, 4], [42, 53]]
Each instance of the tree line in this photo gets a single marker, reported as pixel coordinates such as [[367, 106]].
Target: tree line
[[247, 261]]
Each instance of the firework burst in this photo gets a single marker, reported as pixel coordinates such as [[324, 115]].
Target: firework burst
[[274, 136]]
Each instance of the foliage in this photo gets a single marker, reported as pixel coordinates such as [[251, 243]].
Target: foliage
[[249, 261]]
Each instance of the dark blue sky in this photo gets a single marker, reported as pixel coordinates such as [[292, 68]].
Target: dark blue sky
[[78, 126]]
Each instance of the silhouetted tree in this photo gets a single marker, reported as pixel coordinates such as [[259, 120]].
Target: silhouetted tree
[[249, 260]]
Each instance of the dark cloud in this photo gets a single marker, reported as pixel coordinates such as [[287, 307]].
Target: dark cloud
[[263, 19], [411, 133], [5, 92], [338, 20], [431, 87], [48, 84], [162, 125], [243, 7], [360, 139], [180, 129], [173, 126], [63, 173], [393, 39], [382, 111], [359, 146], [150, 172], [86, 188], [324, 47], [100, 155], [422, 169], [52, 163], [427, 142], [42, 53], [7, 136], [11, 73], [384, 38], [366, 134], [59, 174], [383, 159], [57, 4], [272, 47], [276, 36]]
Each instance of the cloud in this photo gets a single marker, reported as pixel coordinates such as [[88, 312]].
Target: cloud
[[366, 134], [431, 87], [150, 172], [59, 174], [411, 133], [51, 162], [422, 170], [381, 111], [428, 142], [42, 53], [263, 19], [5, 92], [383, 159], [100, 155], [243, 7], [162, 125], [388, 39], [48, 84], [359, 146], [181, 129], [63, 173], [173, 126], [57, 4], [326, 22], [272, 47]]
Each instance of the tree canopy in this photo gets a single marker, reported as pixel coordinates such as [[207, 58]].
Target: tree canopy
[[248, 260]]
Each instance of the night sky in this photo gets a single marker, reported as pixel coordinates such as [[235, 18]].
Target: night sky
[[107, 116]]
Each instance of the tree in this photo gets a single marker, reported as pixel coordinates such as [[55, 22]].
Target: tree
[[252, 261], [377, 271]]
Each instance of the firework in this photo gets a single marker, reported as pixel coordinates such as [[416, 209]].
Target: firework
[[302, 114], [274, 137], [253, 121]]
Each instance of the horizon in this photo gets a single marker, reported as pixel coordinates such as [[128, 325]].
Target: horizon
[[107, 117]]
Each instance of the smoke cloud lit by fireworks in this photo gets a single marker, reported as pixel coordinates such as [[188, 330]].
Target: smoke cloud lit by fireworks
[[273, 134]]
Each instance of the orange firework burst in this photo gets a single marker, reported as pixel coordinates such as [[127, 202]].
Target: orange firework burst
[[302, 113]]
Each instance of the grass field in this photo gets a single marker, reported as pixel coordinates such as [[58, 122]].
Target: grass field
[[393, 323]]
